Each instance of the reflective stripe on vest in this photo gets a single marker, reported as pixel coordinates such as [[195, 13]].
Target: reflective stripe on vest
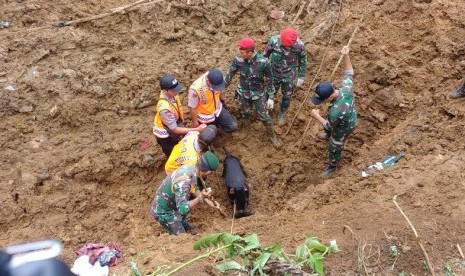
[[185, 152], [209, 105], [160, 130]]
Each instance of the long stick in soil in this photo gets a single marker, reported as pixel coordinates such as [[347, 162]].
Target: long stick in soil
[[428, 262], [234, 213], [302, 6], [348, 45], [317, 73], [460, 251], [204, 183], [103, 15]]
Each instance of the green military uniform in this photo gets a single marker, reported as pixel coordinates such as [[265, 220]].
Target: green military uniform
[[171, 204], [287, 65], [342, 118], [250, 90]]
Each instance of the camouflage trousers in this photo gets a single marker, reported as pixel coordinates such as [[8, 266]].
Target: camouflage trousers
[[174, 224], [260, 106], [336, 142], [287, 89]]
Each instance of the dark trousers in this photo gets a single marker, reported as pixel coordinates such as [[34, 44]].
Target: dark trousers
[[226, 121], [167, 144]]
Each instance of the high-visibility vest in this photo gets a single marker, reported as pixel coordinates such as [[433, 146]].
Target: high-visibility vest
[[187, 151], [160, 129], [209, 101]]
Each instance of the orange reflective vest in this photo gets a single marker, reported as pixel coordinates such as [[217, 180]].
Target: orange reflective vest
[[160, 129], [209, 102], [187, 151]]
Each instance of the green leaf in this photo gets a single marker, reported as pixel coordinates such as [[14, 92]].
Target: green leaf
[[260, 262], [216, 239], [228, 238], [313, 243], [251, 243], [276, 250], [208, 241], [315, 262], [318, 260], [233, 250], [134, 269], [301, 253], [229, 266]]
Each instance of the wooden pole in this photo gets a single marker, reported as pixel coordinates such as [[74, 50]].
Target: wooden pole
[[428, 262]]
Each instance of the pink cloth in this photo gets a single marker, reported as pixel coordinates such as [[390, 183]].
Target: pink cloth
[[93, 250]]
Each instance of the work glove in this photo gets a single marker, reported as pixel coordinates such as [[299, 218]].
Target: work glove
[[270, 104], [300, 81]]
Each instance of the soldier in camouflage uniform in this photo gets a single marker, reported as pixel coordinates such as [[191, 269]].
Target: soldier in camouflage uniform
[[342, 116], [253, 69], [458, 93], [288, 59], [172, 205]]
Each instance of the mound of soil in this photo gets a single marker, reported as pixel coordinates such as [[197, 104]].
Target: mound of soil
[[79, 162]]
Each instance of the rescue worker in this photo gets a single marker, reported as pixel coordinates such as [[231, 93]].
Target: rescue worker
[[206, 100], [169, 117], [172, 205], [190, 148], [342, 115], [458, 93], [288, 58], [253, 69]]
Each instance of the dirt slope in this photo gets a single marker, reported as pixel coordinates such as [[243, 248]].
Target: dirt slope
[[79, 162]]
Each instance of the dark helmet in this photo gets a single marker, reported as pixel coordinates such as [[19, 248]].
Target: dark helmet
[[208, 134]]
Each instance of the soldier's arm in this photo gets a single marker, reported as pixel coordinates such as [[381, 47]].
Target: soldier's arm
[[302, 62], [333, 119], [347, 82], [346, 59], [269, 80], [268, 49], [182, 186], [231, 72]]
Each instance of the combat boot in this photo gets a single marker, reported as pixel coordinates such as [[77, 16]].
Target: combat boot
[[272, 134], [458, 93], [190, 229], [245, 128], [282, 118], [243, 213], [328, 172]]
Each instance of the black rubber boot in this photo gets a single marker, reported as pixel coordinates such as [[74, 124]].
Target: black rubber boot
[[243, 213], [328, 172]]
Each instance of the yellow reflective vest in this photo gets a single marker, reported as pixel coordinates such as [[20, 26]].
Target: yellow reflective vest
[[209, 101], [160, 130], [187, 151]]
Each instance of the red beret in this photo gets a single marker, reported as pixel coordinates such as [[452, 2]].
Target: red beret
[[246, 43], [289, 37]]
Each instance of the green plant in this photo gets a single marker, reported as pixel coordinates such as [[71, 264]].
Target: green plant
[[449, 270], [246, 254]]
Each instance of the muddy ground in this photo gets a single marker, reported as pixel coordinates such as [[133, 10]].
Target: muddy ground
[[79, 162]]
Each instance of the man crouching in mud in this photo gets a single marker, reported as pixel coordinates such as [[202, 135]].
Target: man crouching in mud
[[172, 205], [236, 184]]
